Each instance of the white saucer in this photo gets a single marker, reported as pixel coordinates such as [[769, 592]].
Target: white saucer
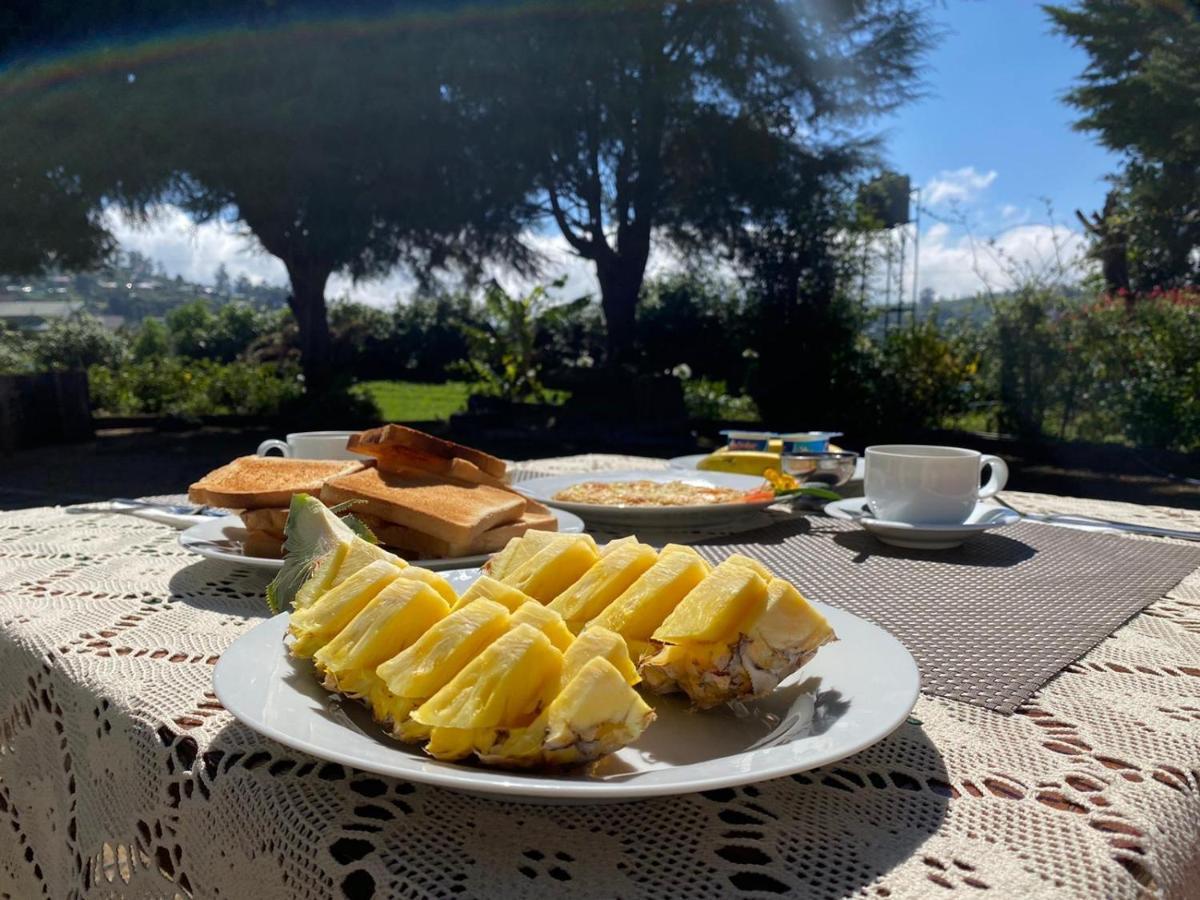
[[984, 517]]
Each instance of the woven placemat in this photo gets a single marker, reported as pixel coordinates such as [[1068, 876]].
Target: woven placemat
[[988, 622]]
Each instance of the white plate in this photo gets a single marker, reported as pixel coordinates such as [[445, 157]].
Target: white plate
[[984, 517], [854, 692], [221, 538], [544, 489]]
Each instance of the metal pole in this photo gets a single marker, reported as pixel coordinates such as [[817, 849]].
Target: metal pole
[[916, 246]]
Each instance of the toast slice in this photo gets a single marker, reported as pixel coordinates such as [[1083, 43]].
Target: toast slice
[[258, 482], [424, 546], [454, 513], [402, 461], [374, 441], [263, 545], [271, 519]]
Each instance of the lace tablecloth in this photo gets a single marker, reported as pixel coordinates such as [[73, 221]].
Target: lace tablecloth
[[122, 776]]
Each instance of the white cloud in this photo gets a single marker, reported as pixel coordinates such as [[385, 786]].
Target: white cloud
[[195, 251], [951, 263], [957, 265], [957, 185]]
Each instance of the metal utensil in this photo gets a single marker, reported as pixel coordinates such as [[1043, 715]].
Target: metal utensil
[[1073, 521], [177, 515]]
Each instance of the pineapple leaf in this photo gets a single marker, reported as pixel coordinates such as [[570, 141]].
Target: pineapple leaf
[[312, 532], [359, 527]]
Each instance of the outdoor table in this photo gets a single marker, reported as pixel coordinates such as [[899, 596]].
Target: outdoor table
[[121, 774]]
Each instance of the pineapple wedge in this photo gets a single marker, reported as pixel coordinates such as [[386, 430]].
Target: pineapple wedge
[[544, 620], [643, 606], [505, 686], [521, 549], [391, 622], [486, 586], [597, 713], [599, 641], [731, 595], [554, 568], [319, 622], [621, 563], [747, 662], [434, 580], [415, 674]]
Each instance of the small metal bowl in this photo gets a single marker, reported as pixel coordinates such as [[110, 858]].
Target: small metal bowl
[[830, 469]]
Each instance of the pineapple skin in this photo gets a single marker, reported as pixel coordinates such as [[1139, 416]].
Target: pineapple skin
[[787, 634]]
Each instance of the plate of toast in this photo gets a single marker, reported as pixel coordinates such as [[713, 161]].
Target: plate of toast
[[427, 499]]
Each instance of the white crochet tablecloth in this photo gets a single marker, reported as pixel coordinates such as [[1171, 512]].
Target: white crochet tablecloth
[[122, 776]]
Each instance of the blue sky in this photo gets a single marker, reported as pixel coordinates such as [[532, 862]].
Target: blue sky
[[996, 84], [993, 137], [989, 140]]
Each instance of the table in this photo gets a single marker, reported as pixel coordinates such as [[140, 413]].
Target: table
[[121, 775]]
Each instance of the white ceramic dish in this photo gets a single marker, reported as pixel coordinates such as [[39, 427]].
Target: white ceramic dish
[[854, 692], [984, 517], [221, 538], [691, 460], [632, 517]]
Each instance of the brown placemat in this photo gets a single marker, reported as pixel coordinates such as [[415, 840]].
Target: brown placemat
[[989, 622]]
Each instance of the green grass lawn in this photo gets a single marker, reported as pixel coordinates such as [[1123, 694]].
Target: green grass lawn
[[408, 401]]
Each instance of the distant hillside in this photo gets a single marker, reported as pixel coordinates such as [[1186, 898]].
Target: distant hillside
[[129, 290]]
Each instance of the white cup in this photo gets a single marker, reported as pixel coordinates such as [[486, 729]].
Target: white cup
[[924, 485], [311, 445]]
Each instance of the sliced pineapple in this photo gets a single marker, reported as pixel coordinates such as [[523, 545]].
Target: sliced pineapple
[[599, 642], [544, 620], [520, 549], [621, 563], [414, 675], [595, 714], [391, 622], [749, 661], [316, 624], [486, 586], [444, 589], [644, 605], [554, 568], [731, 597], [505, 686], [754, 565]]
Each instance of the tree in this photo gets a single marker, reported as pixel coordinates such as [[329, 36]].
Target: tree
[[1139, 95], [339, 152], [679, 122]]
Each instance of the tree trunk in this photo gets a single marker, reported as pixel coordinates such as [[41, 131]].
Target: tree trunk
[[620, 284], [307, 302]]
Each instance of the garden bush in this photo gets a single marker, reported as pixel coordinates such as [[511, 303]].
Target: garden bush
[[190, 388]]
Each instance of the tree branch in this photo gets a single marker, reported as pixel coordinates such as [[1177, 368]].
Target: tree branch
[[578, 244]]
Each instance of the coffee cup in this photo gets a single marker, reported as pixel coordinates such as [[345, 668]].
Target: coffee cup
[[311, 445], [925, 485]]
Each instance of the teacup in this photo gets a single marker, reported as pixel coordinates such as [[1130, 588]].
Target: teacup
[[311, 445], [924, 485]]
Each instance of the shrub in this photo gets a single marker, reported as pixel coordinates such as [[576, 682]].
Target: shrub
[[191, 388], [16, 352], [76, 343], [504, 356], [923, 375], [197, 332], [707, 398], [681, 314]]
